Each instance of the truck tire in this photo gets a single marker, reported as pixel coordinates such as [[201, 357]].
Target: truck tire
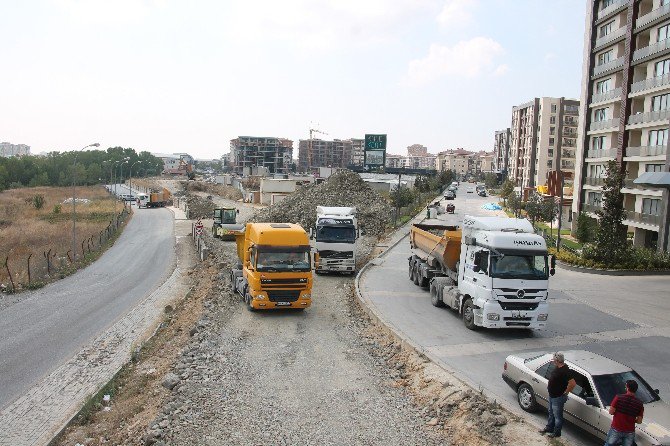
[[469, 315], [416, 274], [423, 281], [411, 270], [247, 301], [435, 294]]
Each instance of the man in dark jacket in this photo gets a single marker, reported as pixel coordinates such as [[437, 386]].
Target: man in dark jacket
[[560, 385], [627, 411]]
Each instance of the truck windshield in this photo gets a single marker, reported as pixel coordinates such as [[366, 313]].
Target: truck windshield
[[336, 234], [519, 267], [283, 261]]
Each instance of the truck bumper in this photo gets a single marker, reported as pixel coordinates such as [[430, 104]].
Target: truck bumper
[[493, 316], [337, 265], [265, 304]]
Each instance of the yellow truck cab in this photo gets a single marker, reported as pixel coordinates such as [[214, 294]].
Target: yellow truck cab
[[275, 266]]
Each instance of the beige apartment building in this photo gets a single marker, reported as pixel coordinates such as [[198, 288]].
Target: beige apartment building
[[501, 150], [543, 138], [625, 112]]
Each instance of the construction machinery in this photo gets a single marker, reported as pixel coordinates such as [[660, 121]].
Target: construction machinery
[[154, 199], [335, 239], [225, 223]]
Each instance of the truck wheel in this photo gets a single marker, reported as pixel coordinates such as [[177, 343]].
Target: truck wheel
[[526, 398], [416, 274], [423, 281], [247, 300], [411, 270], [469, 315], [435, 297]]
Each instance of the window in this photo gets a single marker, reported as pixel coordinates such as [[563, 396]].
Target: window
[[651, 206], [662, 66], [594, 198], [608, 386], [663, 33], [553, 108], [606, 29], [596, 171], [660, 102], [658, 137], [606, 3], [600, 114], [604, 86], [583, 388], [551, 141], [484, 262], [550, 163], [653, 168], [552, 130], [550, 152], [545, 370], [552, 120], [597, 142], [605, 57]]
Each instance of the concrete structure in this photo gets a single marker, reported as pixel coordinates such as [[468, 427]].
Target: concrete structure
[[625, 111], [176, 163], [543, 138], [483, 162], [458, 160], [417, 150], [274, 190], [336, 153], [357, 151], [428, 162], [261, 151], [8, 149], [501, 150]]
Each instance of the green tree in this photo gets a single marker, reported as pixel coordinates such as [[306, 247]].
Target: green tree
[[515, 204], [490, 180], [586, 228], [506, 191], [610, 242], [534, 207], [401, 197]]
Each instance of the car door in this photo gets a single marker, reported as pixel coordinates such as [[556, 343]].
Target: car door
[[540, 381], [576, 409]]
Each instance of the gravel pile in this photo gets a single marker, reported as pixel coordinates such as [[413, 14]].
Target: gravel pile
[[199, 207], [344, 188], [221, 190]]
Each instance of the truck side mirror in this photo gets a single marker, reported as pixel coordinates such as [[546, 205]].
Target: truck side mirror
[[552, 270], [477, 262], [317, 260], [311, 233]]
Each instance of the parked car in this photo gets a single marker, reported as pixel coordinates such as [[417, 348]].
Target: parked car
[[482, 192], [449, 195], [127, 197], [451, 208], [598, 379]]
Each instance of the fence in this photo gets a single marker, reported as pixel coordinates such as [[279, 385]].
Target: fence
[[33, 269], [551, 241]]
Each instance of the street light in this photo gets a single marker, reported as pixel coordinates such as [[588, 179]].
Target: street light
[[74, 200], [120, 177], [130, 177]]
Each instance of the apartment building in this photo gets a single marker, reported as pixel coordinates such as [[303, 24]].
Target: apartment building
[[543, 138], [336, 153], [276, 154], [458, 160], [357, 151], [501, 150], [625, 111], [417, 150], [8, 149], [427, 162]]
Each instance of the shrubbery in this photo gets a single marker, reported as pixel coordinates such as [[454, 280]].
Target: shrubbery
[[639, 259]]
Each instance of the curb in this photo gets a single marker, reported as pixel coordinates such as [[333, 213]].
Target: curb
[[613, 272]]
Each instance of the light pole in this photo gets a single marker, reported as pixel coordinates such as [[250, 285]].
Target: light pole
[[74, 200], [130, 176], [120, 177]]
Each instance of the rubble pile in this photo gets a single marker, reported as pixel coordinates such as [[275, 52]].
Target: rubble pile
[[344, 188], [221, 190], [199, 207]]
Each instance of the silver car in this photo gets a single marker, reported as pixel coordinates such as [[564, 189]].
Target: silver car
[[598, 379]]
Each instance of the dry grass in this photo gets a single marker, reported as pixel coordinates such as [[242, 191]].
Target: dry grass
[[26, 230]]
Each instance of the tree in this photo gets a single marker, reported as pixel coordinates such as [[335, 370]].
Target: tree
[[401, 197], [586, 228], [550, 210], [534, 207], [515, 204], [506, 191], [610, 243], [490, 180], [446, 177]]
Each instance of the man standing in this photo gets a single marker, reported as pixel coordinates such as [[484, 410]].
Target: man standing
[[559, 386], [627, 411]]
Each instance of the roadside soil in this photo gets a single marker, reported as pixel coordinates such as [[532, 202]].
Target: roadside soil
[[218, 374]]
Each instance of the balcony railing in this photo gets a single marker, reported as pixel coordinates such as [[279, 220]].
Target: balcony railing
[[629, 184], [609, 66], [648, 84], [567, 154], [591, 207], [611, 8], [601, 153], [567, 165], [568, 143], [606, 96], [606, 124], [647, 219], [651, 49], [642, 118], [652, 15], [610, 37], [646, 151], [592, 181], [571, 109]]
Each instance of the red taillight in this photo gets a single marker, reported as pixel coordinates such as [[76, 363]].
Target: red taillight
[[505, 366]]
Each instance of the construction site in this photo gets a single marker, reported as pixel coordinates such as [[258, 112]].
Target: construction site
[[247, 152]]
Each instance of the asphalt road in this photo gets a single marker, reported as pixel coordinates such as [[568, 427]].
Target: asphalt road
[[624, 318], [47, 326]]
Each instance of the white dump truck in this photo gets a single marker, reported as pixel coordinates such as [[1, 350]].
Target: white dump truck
[[494, 271], [335, 239]]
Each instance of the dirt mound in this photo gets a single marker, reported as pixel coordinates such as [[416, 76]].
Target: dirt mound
[[345, 188], [221, 190], [199, 207]]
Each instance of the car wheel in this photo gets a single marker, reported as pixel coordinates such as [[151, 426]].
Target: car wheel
[[469, 315], [526, 398]]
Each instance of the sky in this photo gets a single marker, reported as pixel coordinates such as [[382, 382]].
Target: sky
[[188, 76]]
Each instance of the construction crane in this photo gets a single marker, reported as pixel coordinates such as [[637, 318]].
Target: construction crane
[[309, 145]]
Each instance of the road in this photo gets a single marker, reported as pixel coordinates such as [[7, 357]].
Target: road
[[46, 327], [605, 314]]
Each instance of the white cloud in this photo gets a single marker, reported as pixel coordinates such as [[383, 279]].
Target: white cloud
[[108, 12], [468, 58], [456, 12], [501, 70], [549, 57]]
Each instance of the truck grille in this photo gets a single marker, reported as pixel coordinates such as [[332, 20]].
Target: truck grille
[[526, 306], [284, 283], [336, 254], [283, 295]]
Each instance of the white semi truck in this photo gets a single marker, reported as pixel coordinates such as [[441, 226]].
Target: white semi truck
[[494, 271], [335, 239]]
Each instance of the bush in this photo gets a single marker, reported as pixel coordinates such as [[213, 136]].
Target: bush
[[38, 201], [638, 259], [586, 228], [57, 208]]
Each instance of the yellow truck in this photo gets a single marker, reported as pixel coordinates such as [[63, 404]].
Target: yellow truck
[[275, 266]]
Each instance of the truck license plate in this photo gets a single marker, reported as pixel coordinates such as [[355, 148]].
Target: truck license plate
[[283, 304]]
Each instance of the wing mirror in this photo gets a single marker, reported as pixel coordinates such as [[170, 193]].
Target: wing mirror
[[552, 262], [477, 262], [311, 233], [317, 260], [591, 401]]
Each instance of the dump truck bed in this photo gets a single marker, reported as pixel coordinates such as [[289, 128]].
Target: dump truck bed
[[441, 243]]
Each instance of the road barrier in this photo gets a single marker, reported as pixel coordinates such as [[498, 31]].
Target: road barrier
[[197, 233]]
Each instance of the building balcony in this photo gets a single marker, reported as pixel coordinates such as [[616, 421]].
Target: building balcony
[[592, 181], [606, 96], [646, 151], [651, 49], [601, 153], [649, 84], [618, 4], [571, 109], [640, 218], [609, 66], [602, 125], [591, 207], [567, 165], [652, 16], [648, 117], [611, 37]]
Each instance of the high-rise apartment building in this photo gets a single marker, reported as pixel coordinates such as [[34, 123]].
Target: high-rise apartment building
[[8, 149], [357, 151], [501, 150], [336, 153], [417, 150], [543, 138], [625, 112], [276, 154]]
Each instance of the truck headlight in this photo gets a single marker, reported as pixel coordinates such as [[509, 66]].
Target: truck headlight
[[493, 317], [259, 296], [306, 296], [542, 317]]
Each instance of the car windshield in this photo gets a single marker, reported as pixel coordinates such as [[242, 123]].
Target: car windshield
[[609, 386], [337, 234], [283, 261], [519, 267]]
